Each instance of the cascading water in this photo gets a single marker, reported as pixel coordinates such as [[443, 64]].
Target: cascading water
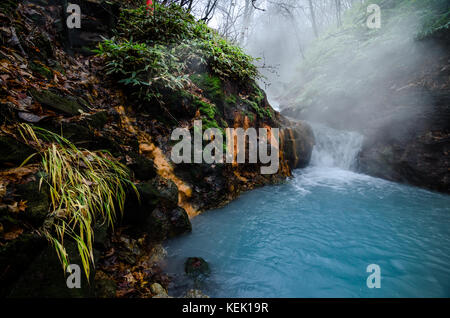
[[316, 235], [335, 148]]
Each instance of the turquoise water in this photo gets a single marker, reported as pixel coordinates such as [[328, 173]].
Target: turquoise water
[[315, 236]]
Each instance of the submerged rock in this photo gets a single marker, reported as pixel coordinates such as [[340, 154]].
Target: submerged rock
[[196, 266]]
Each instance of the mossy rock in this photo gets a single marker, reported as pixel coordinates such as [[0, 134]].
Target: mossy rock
[[13, 151], [180, 103], [211, 85], [67, 105], [41, 69], [97, 120]]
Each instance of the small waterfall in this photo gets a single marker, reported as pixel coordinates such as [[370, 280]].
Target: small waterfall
[[335, 148]]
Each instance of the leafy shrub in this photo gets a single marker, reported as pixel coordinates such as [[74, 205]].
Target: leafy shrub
[[146, 69], [155, 51]]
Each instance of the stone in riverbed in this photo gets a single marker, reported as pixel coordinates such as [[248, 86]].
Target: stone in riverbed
[[196, 266], [195, 293], [180, 222], [158, 291]]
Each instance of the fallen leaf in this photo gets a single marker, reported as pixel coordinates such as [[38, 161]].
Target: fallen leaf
[[16, 174], [130, 278], [3, 185], [12, 235], [17, 207], [31, 118]]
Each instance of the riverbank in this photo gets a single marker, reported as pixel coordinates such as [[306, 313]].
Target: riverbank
[[54, 83]]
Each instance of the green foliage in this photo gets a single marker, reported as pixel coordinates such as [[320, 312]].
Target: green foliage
[[153, 52], [85, 187], [167, 24], [436, 19], [227, 61], [145, 69], [354, 46]]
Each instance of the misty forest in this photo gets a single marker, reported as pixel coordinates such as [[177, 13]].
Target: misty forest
[[354, 96]]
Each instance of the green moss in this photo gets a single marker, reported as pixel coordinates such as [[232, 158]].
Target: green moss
[[67, 105], [211, 85], [231, 99], [41, 69], [205, 108]]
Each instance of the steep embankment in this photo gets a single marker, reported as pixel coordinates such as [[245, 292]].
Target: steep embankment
[[127, 100], [392, 84]]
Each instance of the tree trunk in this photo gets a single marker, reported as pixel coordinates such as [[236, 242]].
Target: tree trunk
[[313, 18]]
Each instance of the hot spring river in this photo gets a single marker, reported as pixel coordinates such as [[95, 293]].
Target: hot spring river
[[315, 235]]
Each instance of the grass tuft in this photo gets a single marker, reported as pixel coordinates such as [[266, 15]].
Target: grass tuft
[[85, 187]]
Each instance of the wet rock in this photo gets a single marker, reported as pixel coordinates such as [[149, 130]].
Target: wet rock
[[196, 266], [153, 194], [158, 290], [143, 168], [41, 69], [180, 222], [163, 225], [158, 254], [67, 104], [195, 293], [13, 152], [158, 225], [298, 142]]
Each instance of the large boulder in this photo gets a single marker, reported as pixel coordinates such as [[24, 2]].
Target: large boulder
[[156, 210]]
